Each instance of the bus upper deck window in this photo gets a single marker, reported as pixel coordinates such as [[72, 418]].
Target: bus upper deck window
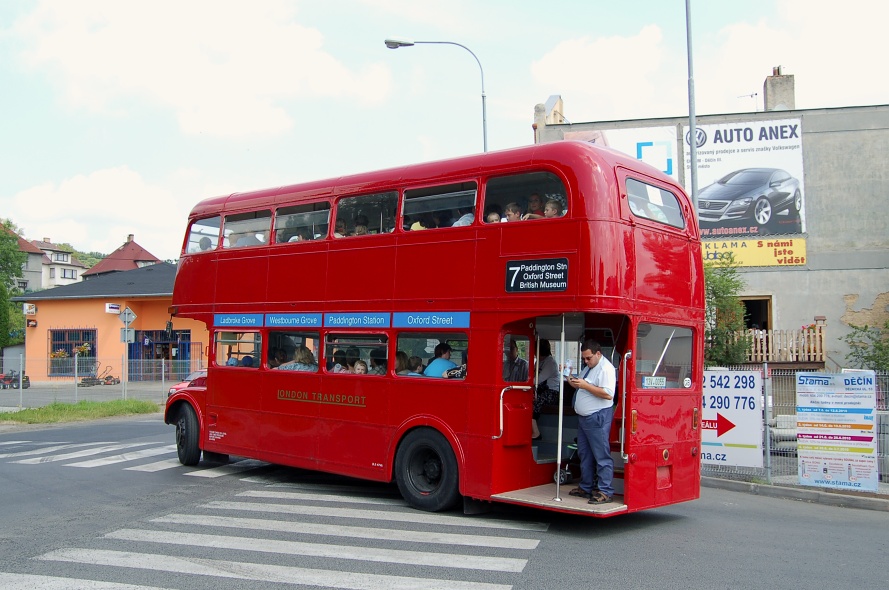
[[451, 205], [530, 195], [247, 229], [654, 203], [203, 235], [366, 215], [302, 222]]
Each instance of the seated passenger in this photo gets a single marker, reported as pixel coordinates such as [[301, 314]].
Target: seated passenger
[[277, 357], [205, 244], [458, 372], [513, 212], [466, 217], [339, 230], [415, 366], [360, 368], [360, 230], [230, 360], [377, 361], [553, 209], [248, 239], [338, 365], [441, 362], [247, 361], [492, 217], [401, 363], [303, 360]]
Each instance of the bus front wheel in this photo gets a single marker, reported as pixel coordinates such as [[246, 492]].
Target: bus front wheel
[[426, 471], [187, 431]]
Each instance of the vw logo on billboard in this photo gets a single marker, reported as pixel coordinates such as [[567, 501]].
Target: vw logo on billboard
[[700, 135]]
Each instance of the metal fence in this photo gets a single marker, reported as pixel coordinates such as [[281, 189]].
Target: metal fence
[[780, 465]]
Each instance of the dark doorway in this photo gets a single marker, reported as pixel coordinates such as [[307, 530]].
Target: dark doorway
[[757, 313]]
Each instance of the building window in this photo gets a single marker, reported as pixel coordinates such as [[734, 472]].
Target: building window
[[52, 273], [60, 256], [23, 285], [63, 345], [69, 273]]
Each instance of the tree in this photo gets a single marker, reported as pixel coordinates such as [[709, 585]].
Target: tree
[[11, 261], [724, 315], [868, 347]]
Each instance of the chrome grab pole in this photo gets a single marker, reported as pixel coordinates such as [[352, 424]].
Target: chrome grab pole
[[623, 407], [502, 392]]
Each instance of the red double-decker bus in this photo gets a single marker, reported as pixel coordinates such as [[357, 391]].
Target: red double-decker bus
[[372, 325]]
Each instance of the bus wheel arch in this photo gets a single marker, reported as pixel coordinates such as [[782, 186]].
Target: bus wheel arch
[[188, 434], [426, 470]]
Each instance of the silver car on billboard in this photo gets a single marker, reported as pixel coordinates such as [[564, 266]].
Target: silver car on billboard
[[754, 194]]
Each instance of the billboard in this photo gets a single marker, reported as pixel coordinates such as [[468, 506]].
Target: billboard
[[656, 146], [750, 178]]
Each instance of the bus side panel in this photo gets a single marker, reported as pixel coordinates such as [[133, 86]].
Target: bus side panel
[[353, 427], [243, 274], [297, 274], [662, 262], [361, 269], [444, 258], [195, 280], [290, 411], [233, 411], [662, 468]]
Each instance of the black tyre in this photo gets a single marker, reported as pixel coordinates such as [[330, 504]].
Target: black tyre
[[15, 384], [187, 436], [215, 457], [426, 471], [797, 205]]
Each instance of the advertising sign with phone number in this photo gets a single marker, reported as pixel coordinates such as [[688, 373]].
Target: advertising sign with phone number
[[732, 419]]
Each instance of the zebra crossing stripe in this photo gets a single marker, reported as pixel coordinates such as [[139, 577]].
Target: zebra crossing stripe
[[123, 457], [32, 582], [259, 571], [232, 468], [45, 450], [156, 466], [78, 454], [352, 513], [323, 498], [354, 532], [421, 558]]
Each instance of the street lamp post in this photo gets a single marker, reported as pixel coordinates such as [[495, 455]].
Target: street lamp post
[[393, 43]]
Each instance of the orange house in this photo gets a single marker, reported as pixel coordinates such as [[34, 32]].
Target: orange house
[[86, 320]]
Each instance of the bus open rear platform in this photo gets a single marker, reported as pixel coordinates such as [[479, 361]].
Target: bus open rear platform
[[543, 496]]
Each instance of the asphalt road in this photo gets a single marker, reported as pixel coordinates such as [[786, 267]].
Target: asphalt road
[[106, 505]]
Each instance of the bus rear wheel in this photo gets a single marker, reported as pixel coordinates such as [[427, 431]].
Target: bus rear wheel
[[187, 431], [426, 471]]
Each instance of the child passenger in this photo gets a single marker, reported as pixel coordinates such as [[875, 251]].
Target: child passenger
[[360, 368]]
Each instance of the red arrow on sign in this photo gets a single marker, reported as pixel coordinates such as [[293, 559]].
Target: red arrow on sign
[[721, 425]]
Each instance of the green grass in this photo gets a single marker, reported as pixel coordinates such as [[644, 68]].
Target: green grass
[[81, 411]]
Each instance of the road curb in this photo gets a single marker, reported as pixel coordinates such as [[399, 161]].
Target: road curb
[[793, 493]]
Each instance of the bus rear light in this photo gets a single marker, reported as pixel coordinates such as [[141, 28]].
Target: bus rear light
[[633, 421], [694, 420]]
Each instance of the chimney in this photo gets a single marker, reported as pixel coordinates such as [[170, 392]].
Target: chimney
[[778, 91], [130, 238], [47, 240]]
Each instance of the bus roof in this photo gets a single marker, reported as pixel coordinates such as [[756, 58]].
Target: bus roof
[[564, 153]]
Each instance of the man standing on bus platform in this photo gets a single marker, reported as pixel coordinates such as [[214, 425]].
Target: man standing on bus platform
[[595, 410]]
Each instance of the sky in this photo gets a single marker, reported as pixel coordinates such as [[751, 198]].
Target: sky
[[118, 116]]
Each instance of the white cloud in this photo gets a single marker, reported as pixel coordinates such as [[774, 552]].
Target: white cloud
[[611, 77], [96, 212], [224, 67]]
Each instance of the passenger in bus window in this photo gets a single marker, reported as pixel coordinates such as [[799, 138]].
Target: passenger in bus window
[[457, 372], [467, 216], [552, 209], [492, 217], [303, 360], [277, 357], [442, 361], [360, 230], [401, 363], [516, 368], [338, 365], [415, 366], [247, 361], [352, 356], [204, 244], [360, 368], [377, 361], [230, 361], [535, 206], [513, 212], [339, 230]]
